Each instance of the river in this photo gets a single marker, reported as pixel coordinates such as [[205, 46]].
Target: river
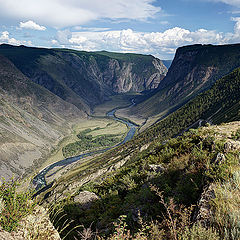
[[39, 180]]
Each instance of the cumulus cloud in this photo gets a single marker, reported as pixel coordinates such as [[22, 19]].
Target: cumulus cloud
[[5, 38], [162, 44], [54, 42], [32, 25], [61, 13]]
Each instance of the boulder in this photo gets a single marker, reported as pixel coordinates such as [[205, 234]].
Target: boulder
[[156, 168], [228, 146], [85, 199], [203, 213], [220, 159]]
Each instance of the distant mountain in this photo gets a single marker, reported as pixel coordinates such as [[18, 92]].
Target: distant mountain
[[167, 63], [219, 104], [193, 70], [86, 78]]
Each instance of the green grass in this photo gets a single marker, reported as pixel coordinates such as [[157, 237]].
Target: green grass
[[87, 142]]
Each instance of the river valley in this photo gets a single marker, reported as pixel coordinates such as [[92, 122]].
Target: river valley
[[39, 180]]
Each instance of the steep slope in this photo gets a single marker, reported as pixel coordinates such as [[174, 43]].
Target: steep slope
[[31, 120], [194, 174], [193, 70], [86, 78], [221, 103]]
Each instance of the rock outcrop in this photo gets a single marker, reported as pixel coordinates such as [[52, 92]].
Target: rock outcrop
[[34, 226], [204, 214], [85, 199]]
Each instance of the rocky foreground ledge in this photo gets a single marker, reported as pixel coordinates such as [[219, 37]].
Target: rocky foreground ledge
[[34, 226]]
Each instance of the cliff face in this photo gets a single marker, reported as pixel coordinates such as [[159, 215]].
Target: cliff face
[[86, 78], [193, 70]]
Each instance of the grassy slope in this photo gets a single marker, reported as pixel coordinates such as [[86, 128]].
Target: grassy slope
[[187, 164], [214, 104]]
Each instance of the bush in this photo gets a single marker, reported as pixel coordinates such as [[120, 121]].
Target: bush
[[16, 205]]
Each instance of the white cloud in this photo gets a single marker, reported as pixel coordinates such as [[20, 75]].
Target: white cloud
[[62, 13], [64, 36], [5, 38], [162, 44], [90, 29], [164, 22], [32, 25], [54, 42]]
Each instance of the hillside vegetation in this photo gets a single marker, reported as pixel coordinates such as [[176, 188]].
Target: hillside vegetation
[[218, 104], [176, 180], [162, 179], [153, 196]]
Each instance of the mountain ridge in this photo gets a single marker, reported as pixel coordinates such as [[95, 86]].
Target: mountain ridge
[[88, 76], [194, 69]]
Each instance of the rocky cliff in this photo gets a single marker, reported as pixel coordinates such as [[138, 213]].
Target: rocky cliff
[[43, 92], [193, 70]]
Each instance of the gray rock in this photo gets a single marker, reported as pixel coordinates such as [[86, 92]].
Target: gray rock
[[85, 199], [220, 158], [34, 226], [156, 168], [228, 146], [204, 214], [1, 205]]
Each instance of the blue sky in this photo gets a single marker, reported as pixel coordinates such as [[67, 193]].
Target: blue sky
[[142, 26]]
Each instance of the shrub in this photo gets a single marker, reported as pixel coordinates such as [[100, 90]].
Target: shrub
[[226, 208], [236, 135], [197, 232], [16, 205]]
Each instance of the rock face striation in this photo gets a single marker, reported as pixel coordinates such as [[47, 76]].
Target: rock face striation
[[31, 120]]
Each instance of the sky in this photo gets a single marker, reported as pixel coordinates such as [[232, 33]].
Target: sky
[[156, 27]]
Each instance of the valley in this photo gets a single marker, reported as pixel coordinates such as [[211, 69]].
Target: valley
[[112, 141], [95, 137]]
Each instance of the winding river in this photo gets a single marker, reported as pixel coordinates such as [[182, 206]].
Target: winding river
[[39, 180]]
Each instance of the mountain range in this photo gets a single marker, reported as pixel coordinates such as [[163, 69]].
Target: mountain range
[[43, 90]]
